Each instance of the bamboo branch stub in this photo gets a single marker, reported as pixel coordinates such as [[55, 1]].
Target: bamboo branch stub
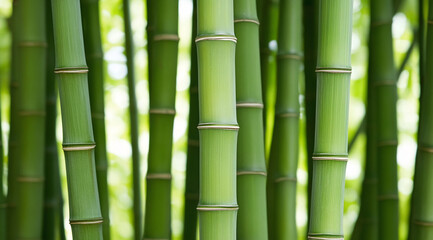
[[247, 20], [166, 37], [249, 105], [216, 38]]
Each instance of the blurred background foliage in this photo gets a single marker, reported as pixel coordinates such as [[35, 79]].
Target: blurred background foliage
[[116, 97]]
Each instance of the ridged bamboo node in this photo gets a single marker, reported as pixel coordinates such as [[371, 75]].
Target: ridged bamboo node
[[325, 238], [155, 239], [33, 44], [30, 179], [387, 143], [334, 70], [98, 115], [71, 70], [385, 83], [249, 105], [217, 208], [222, 127], [86, 222], [164, 111], [193, 142], [423, 223], [247, 20], [288, 115], [166, 37], [388, 197], [240, 173], [32, 113], [72, 148], [216, 38], [380, 23], [158, 176], [295, 56], [330, 158], [425, 149], [285, 179]]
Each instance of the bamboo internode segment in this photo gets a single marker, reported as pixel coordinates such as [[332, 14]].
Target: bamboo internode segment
[[164, 111], [33, 44], [249, 105], [159, 176], [166, 37], [86, 222], [216, 38], [247, 21], [71, 70]]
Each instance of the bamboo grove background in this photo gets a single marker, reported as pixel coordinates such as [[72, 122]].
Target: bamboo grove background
[[404, 30]]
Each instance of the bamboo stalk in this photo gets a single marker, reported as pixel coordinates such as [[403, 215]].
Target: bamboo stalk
[[53, 200], [133, 121], [218, 126], [71, 74], [3, 200], [251, 163], [94, 58], [332, 105], [284, 150], [163, 39], [192, 164]]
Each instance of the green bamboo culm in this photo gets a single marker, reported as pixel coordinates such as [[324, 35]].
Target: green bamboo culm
[[94, 58], [133, 121], [31, 54], [383, 74], [421, 209], [192, 162], [53, 227], [332, 108], [3, 200], [78, 142], [162, 52], [251, 163], [218, 128], [283, 160]]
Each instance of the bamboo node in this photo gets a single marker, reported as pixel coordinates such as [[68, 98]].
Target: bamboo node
[[290, 55], [240, 173], [423, 223], [166, 37], [164, 111], [222, 127], [78, 148], [86, 222], [193, 142], [32, 113], [160, 176], [215, 38], [425, 149], [247, 20], [326, 238], [30, 179], [288, 115], [155, 239], [33, 44], [387, 143], [249, 105], [333, 70], [285, 179], [388, 197], [71, 70], [217, 208], [330, 158]]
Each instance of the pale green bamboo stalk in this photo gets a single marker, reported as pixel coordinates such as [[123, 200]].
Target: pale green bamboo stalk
[[78, 142], [330, 149], [251, 163], [163, 40], [218, 126], [3, 200]]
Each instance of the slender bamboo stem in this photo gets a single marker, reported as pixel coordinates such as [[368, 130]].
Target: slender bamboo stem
[[133, 121], [94, 58], [53, 201], [78, 142], [251, 163], [332, 105], [218, 128], [163, 39], [192, 167], [3, 202]]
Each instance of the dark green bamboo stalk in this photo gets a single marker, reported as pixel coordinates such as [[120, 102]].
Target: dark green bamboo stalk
[[283, 161], [133, 121], [31, 54], [192, 168], [421, 209], [52, 228], [78, 142], [332, 105], [163, 39], [383, 73], [94, 58], [218, 128], [251, 163]]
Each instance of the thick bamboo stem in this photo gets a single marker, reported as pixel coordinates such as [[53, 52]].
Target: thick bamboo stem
[[162, 52], [332, 105], [78, 142]]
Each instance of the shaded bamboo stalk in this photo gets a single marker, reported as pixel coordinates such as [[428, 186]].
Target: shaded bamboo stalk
[[332, 105], [94, 58], [285, 142], [251, 163], [133, 121], [78, 142], [218, 128], [163, 49], [192, 168]]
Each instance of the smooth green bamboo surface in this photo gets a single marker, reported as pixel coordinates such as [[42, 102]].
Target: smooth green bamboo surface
[[383, 73], [218, 128], [3, 202], [251, 163], [283, 160], [78, 142], [422, 210], [332, 105], [163, 39], [133, 121], [52, 227], [31, 54], [94, 58], [192, 161]]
